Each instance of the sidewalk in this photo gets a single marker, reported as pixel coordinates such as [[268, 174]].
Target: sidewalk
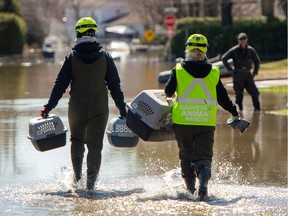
[[265, 83]]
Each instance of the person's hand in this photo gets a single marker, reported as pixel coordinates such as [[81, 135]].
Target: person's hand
[[170, 100], [232, 120], [44, 113], [123, 113], [238, 124]]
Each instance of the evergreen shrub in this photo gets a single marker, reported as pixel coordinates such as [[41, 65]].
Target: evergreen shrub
[[268, 38], [12, 33]]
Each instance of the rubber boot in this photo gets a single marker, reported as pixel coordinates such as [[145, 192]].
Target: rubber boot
[[190, 179], [256, 104], [77, 168], [240, 106], [91, 179], [203, 174], [190, 183]]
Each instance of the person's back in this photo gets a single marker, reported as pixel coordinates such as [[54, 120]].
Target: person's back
[[89, 70], [198, 88]]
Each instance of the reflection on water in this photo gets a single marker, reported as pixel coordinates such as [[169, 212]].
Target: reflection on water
[[249, 170]]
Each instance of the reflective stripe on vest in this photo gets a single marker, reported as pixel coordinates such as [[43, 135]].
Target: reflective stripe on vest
[[209, 100], [196, 102]]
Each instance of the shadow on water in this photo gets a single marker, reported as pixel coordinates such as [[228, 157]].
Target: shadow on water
[[186, 197], [96, 194]]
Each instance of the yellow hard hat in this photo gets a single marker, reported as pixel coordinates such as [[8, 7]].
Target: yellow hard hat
[[197, 41], [86, 23]]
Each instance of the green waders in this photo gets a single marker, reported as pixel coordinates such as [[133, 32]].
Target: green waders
[[88, 115], [195, 145]]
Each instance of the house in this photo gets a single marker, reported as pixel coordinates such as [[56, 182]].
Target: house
[[107, 14], [128, 26]]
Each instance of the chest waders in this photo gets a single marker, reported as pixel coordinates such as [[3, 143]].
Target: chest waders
[[194, 117], [88, 115]]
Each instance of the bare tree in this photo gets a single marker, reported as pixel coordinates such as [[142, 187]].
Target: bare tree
[[38, 14], [284, 6], [153, 12], [75, 4], [268, 9], [226, 13]]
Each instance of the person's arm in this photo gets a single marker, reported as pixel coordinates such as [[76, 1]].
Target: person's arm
[[61, 84], [113, 84], [224, 100], [256, 60], [171, 84], [228, 55]]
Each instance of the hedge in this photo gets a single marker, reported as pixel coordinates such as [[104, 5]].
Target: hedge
[[10, 6], [12, 33], [268, 38]]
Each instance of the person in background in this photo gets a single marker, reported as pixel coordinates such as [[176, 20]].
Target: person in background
[[91, 72], [243, 56], [197, 88]]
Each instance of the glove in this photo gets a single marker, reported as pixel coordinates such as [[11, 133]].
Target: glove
[[238, 124], [123, 113], [232, 120], [44, 113]]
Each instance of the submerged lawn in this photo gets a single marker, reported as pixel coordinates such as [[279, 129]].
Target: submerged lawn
[[278, 90], [275, 65], [283, 89]]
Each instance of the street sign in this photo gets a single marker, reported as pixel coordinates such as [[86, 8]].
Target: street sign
[[170, 32], [170, 10], [149, 35], [170, 20]]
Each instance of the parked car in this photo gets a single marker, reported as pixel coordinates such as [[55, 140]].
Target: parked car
[[118, 45], [48, 51]]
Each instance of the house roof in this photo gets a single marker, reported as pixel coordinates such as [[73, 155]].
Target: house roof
[[89, 3], [131, 18]]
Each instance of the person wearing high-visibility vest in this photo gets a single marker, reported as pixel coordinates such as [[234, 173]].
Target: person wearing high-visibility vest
[[197, 89]]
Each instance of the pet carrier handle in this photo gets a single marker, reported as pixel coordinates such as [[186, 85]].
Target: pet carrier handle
[[40, 118], [170, 100]]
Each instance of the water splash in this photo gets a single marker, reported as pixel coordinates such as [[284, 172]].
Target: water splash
[[227, 172], [143, 195]]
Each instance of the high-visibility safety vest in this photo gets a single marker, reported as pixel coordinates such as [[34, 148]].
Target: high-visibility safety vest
[[196, 102]]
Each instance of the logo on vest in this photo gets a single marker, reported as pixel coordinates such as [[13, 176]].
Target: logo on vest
[[195, 113]]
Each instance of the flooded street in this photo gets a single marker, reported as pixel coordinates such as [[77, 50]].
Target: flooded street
[[249, 171]]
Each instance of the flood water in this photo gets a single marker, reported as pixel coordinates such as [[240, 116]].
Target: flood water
[[249, 174]]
